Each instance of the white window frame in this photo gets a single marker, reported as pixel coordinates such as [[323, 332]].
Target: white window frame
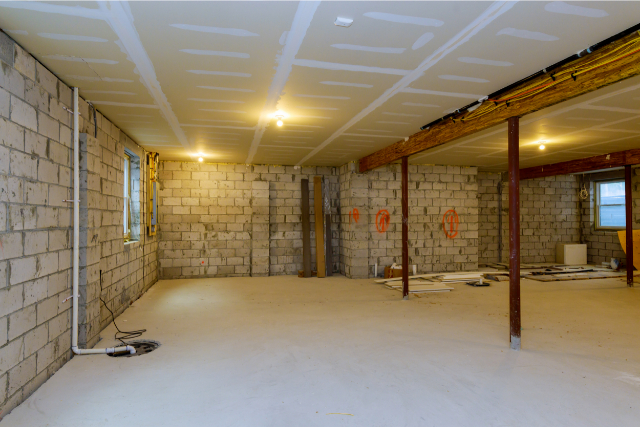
[[597, 205], [127, 198]]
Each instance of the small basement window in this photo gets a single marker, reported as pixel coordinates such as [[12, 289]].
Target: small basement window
[[610, 206], [127, 197]]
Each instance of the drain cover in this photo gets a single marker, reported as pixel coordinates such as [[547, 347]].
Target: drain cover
[[142, 347]]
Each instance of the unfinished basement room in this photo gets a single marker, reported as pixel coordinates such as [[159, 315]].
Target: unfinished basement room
[[319, 213]]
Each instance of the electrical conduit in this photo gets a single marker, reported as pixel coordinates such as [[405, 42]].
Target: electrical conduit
[[76, 243]]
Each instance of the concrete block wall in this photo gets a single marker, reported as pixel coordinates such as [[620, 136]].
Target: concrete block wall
[[488, 211], [433, 190], [549, 214], [219, 220], [127, 269], [36, 155], [119, 272], [35, 246], [354, 222]]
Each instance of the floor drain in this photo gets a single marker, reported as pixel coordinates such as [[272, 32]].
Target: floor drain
[[142, 347]]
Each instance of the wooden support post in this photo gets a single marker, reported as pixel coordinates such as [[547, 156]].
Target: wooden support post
[[514, 232], [306, 229], [628, 205], [405, 227], [317, 193]]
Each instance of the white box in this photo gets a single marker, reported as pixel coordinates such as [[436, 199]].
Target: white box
[[571, 254]]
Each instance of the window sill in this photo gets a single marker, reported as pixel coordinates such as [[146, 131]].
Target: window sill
[[130, 242]]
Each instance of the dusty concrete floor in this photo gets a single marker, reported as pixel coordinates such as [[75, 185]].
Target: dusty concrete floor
[[284, 351]]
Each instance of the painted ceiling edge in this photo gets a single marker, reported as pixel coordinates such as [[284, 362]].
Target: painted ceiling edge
[[301, 22], [121, 22], [489, 15], [78, 11], [120, 19]]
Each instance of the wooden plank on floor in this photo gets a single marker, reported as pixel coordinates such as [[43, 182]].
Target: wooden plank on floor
[[576, 276], [317, 192], [306, 229]]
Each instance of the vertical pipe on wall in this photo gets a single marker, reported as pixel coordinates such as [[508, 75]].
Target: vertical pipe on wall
[[76, 243], [405, 227], [76, 220], [628, 204], [514, 232]]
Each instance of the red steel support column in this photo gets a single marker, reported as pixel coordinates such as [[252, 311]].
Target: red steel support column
[[514, 232], [405, 227], [628, 203]]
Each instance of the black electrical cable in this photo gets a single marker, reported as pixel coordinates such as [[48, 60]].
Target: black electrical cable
[[127, 335], [545, 70]]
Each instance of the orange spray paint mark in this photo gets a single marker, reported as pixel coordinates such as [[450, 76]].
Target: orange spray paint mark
[[354, 214], [450, 222], [382, 220]]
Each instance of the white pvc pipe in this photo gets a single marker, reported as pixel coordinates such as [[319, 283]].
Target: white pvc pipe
[[76, 243]]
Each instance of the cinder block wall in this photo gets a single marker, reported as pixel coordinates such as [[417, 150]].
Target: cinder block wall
[[219, 220], [354, 222], [36, 225], [549, 213], [119, 272], [433, 190]]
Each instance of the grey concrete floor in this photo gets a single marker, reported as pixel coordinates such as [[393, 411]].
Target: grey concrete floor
[[284, 351]]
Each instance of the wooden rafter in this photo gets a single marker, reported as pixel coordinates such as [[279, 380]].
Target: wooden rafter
[[541, 92], [604, 161]]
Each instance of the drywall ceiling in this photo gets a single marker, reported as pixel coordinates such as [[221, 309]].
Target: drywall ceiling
[[188, 77]]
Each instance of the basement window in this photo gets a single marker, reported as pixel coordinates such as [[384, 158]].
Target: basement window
[[127, 197], [610, 206]]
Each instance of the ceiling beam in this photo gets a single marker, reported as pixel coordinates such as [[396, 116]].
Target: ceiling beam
[[453, 127], [604, 161]]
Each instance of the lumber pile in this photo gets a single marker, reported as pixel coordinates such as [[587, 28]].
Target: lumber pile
[[435, 282]]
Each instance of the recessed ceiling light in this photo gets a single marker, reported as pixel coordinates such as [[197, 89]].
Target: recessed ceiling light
[[343, 22], [280, 115]]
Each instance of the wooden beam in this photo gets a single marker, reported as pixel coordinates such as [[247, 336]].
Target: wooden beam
[[306, 229], [448, 130], [405, 227], [628, 204], [514, 232], [604, 161], [317, 192]]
